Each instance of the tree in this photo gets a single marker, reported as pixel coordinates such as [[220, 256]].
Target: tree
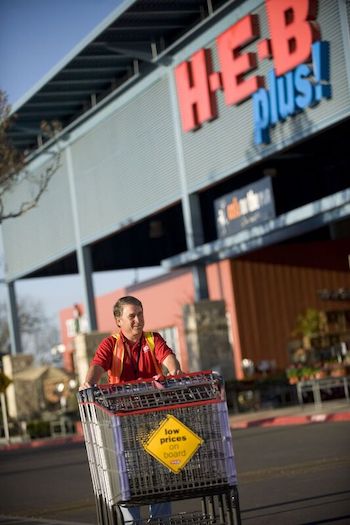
[[4, 382], [38, 332], [13, 167]]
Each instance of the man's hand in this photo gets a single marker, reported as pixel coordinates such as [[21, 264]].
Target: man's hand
[[172, 365], [85, 385], [175, 372], [92, 377]]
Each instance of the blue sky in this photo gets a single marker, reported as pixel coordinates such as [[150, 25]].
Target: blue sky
[[35, 35]]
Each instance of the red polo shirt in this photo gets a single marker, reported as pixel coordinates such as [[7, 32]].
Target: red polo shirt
[[138, 363]]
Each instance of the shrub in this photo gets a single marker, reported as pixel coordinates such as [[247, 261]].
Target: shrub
[[38, 429]]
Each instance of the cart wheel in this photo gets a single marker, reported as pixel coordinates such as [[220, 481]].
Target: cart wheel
[[236, 510], [118, 516]]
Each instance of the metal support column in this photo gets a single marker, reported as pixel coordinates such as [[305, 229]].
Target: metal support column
[[200, 282], [13, 319], [85, 270], [190, 203], [83, 252], [198, 270]]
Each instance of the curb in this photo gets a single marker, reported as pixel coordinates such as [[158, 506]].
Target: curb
[[291, 420], [38, 443]]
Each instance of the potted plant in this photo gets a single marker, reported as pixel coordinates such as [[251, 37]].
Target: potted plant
[[293, 375], [309, 324], [337, 369], [320, 373], [307, 373]]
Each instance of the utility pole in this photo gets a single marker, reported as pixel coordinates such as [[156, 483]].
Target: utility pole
[[4, 417]]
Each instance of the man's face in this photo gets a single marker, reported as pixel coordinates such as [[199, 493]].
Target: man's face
[[131, 322]]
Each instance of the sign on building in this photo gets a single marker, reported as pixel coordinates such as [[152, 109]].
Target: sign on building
[[298, 76], [243, 208]]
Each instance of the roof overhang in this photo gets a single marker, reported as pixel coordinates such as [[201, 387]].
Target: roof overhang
[[290, 225], [131, 42]]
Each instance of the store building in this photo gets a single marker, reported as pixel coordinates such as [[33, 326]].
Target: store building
[[207, 136]]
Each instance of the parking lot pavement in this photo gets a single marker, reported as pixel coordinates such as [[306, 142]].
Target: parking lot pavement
[[20, 520]]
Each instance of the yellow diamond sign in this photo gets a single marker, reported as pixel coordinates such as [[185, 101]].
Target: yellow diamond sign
[[172, 443]]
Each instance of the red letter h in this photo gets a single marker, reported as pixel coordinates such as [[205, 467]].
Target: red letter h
[[196, 99]]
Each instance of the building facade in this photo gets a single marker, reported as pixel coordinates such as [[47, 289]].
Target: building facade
[[208, 137]]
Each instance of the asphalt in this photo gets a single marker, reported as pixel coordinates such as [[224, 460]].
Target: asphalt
[[309, 413]]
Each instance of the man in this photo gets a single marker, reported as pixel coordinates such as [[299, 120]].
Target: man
[[132, 354]]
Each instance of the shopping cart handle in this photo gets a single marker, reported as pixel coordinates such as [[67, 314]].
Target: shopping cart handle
[[86, 394], [156, 382]]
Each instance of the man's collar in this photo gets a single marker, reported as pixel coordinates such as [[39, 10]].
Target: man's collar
[[126, 340]]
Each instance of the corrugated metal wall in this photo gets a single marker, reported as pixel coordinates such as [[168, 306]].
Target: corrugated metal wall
[[270, 297], [44, 233], [126, 167]]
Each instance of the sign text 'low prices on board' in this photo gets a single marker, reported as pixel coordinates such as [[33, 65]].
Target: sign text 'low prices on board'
[[172, 443]]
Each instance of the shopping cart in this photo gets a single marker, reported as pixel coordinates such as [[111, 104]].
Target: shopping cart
[[163, 439]]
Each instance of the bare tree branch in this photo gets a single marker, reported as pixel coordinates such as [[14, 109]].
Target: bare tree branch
[[13, 169], [38, 332]]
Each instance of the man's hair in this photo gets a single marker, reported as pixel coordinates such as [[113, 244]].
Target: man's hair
[[119, 305]]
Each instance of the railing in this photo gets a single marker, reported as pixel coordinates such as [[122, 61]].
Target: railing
[[316, 386]]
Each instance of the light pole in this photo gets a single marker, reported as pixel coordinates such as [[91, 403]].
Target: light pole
[[63, 389], [3, 404], [4, 417], [62, 398], [4, 383]]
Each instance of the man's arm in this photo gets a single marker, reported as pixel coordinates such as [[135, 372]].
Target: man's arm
[[92, 377], [172, 364]]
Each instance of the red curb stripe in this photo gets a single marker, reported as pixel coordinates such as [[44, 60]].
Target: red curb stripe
[[291, 420], [341, 416], [37, 443]]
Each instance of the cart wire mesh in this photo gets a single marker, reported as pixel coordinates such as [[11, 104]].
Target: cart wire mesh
[[154, 394], [221, 508]]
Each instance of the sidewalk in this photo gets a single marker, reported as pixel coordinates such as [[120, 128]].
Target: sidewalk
[[338, 410], [16, 443]]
